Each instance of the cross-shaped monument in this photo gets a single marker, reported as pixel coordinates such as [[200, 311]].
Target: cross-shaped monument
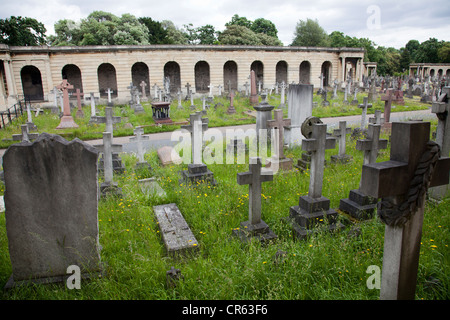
[[197, 171], [278, 124], [341, 133], [93, 111], [282, 96], [387, 98], [359, 205], [109, 187], [139, 139], [188, 91], [253, 95], [401, 183], [67, 119], [321, 77], [231, 108], [314, 209], [254, 227], [25, 135], [143, 85], [364, 107], [109, 92], [79, 94]]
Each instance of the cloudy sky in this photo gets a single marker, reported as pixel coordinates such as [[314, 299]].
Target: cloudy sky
[[389, 23]]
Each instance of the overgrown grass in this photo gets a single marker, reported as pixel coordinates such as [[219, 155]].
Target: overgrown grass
[[325, 266]]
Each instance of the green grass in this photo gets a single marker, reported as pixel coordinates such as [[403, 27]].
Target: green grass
[[325, 266]]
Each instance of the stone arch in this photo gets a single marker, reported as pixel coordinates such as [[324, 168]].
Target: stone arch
[[72, 74], [230, 73], [172, 71], [202, 79], [305, 72], [447, 73], [32, 83], [106, 74], [440, 73], [258, 67], [432, 72], [281, 72], [326, 71], [139, 73]]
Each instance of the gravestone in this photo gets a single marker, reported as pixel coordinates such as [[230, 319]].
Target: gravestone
[[137, 106], [25, 135], [109, 92], [314, 209], [109, 187], [150, 187], [359, 205], [67, 119], [143, 85], [401, 183], [161, 112], [168, 156], [93, 111], [325, 101], [179, 93], [300, 102], [442, 108], [46, 237], [346, 92], [364, 106], [237, 147], [139, 140], [304, 162], [254, 227], [387, 98], [231, 108], [30, 124], [197, 171], [341, 133], [282, 95], [175, 232], [253, 95], [80, 113], [109, 120], [277, 125], [355, 92], [377, 119], [263, 114], [320, 90]]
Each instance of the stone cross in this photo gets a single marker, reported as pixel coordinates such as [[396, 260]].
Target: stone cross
[[220, 89], [179, 93], [321, 77], [283, 91], [401, 183], [93, 111], [246, 85], [139, 139], [317, 145], [107, 148], [188, 90], [376, 118], [143, 85], [109, 119], [372, 144], [387, 107], [55, 94], [335, 86], [231, 108], [109, 92], [346, 93], [341, 134], [132, 87], [46, 237], [254, 178], [25, 135], [210, 90], [79, 94], [364, 107], [66, 120], [196, 128], [279, 123]]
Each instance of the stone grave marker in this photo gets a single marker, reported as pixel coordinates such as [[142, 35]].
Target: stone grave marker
[[401, 183], [231, 108], [109, 187], [277, 125], [109, 92], [341, 133], [387, 98], [254, 227], [67, 119], [46, 237], [300, 104], [359, 205], [304, 162], [283, 95], [263, 114], [314, 209], [253, 95], [175, 232], [93, 111], [25, 135], [79, 94], [150, 186], [197, 170], [143, 85], [139, 139], [364, 106], [376, 118], [167, 155], [355, 92]]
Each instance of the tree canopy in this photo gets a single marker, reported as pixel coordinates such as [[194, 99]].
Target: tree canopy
[[310, 34], [22, 31]]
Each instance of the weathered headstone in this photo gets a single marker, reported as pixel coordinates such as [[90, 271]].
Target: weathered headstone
[[364, 107], [341, 133], [109, 187], [387, 98], [263, 114], [46, 237], [401, 183], [300, 102], [143, 85], [282, 95], [167, 155], [304, 162], [109, 92], [175, 232], [231, 108], [67, 119], [93, 111], [359, 205], [278, 125], [254, 227], [376, 118], [253, 95], [150, 187], [25, 135], [314, 209], [139, 139], [80, 113]]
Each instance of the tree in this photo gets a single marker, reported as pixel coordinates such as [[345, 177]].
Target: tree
[[310, 34], [206, 34], [239, 21], [412, 46], [428, 51], [444, 53], [405, 59], [174, 34], [18, 31], [156, 33], [265, 26], [238, 35]]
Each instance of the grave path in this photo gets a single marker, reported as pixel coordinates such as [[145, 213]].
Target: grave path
[[160, 139]]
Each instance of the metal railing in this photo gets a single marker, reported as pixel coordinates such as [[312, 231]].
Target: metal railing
[[13, 112]]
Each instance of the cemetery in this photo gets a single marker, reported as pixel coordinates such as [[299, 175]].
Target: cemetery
[[166, 229]]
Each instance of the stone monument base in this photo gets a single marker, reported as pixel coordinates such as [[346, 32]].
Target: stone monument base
[[358, 205], [338, 158], [313, 215], [259, 231], [67, 122], [285, 164], [118, 166], [197, 173], [110, 189]]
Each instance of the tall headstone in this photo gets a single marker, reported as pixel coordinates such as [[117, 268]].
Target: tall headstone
[[139, 139], [359, 205], [254, 227], [401, 183], [364, 107], [263, 114], [109, 92], [253, 94], [282, 95], [67, 119], [231, 109], [387, 98], [143, 85], [314, 209], [80, 113], [46, 237], [93, 111], [277, 125], [341, 133], [300, 102]]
